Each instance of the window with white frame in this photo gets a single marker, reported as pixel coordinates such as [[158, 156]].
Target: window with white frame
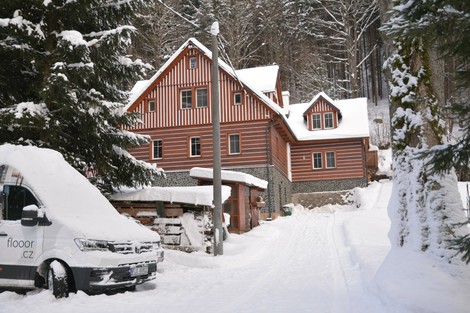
[[195, 146], [328, 120], [192, 62], [151, 104], [317, 160], [316, 121], [157, 149], [186, 98], [237, 98], [330, 159], [201, 97], [234, 144]]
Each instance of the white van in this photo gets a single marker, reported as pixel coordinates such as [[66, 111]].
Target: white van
[[58, 231]]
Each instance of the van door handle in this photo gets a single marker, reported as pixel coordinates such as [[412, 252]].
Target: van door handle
[[3, 233]]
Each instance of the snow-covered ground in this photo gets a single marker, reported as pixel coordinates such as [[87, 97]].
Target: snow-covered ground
[[332, 259]]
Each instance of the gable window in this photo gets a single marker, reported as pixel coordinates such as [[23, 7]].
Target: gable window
[[195, 147], [316, 121], [330, 159], [237, 98], [157, 149], [186, 98], [192, 62], [151, 106], [328, 120], [317, 160], [234, 144], [201, 97]]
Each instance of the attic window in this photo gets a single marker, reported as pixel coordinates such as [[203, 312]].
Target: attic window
[[237, 98], [192, 62], [151, 106]]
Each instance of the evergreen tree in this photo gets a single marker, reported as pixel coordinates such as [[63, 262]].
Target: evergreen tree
[[424, 201], [64, 72]]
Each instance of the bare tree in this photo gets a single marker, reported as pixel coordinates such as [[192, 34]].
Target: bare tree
[[343, 25]]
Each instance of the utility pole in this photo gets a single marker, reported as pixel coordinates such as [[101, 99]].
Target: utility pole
[[217, 171]]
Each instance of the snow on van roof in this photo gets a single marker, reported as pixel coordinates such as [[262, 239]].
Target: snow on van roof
[[68, 196], [197, 195], [250, 180]]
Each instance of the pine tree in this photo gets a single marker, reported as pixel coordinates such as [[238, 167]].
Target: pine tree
[[423, 201], [64, 72]]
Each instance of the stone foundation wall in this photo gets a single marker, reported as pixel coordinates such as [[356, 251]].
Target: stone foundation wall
[[328, 185], [281, 190], [319, 199]]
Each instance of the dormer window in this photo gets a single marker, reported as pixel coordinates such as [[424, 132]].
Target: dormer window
[[324, 120], [328, 120], [316, 121], [322, 114]]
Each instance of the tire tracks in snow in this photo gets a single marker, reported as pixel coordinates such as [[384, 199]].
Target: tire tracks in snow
[[341, 300], [289, 260]]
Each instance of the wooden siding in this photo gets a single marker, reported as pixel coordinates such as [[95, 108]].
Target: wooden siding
[[279, 152], [321, 105], [349, 160], [166, 93], [176, 146]]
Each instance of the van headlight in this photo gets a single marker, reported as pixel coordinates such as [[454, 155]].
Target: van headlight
[[92, 245], [157, 245]]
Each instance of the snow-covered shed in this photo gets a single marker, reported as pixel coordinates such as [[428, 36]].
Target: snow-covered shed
[[244, 203]]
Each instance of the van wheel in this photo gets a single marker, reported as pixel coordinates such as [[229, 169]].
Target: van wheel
[[57, 280]]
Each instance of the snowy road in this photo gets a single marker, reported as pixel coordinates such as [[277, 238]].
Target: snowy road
[[310, 262]]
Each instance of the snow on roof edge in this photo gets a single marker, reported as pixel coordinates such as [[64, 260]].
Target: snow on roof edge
[[250, 180], [197, 195]]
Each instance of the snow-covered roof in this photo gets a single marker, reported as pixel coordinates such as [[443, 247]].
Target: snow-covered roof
[[137, 90], [263, 78], [197, 195], [354, 122], [317, 97], [142, 86], [229, 176]]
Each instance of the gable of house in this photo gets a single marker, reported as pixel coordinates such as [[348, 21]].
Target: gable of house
[[179, 95]]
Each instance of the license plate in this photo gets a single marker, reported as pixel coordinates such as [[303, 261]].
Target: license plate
[[138, 270]]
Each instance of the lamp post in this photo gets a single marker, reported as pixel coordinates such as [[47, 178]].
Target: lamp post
[[217, 172]]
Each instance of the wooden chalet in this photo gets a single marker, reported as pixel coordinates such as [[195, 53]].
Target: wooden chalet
[[318, 146]]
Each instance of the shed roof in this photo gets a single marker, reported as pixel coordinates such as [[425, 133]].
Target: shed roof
[[197, 195], [229, 176]]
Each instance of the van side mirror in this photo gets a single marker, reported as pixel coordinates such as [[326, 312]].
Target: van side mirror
[[29, 217]]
